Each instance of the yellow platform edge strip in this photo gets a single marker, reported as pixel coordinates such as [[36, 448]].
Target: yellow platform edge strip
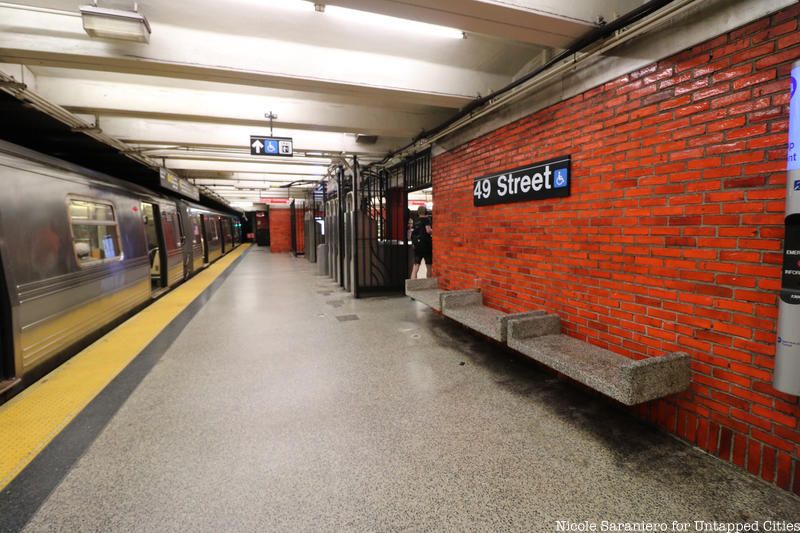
[[30, 420]]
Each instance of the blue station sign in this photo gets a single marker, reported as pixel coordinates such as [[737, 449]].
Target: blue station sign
[[271, 146], [548, 179]]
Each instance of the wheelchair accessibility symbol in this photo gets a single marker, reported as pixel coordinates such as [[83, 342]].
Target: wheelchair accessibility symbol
[[797, 185], [561, 177]]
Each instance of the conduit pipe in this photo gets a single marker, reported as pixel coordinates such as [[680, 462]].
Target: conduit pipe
[[629, 26]]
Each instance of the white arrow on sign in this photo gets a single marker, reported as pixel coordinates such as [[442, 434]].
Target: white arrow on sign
[[258, 145]]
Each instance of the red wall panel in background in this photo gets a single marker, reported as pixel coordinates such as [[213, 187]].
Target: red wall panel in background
[[279, 231]]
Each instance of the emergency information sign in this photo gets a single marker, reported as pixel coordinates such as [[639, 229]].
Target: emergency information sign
[[548, 179], [790, 281]]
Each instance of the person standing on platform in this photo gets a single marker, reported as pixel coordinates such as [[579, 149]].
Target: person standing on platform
[[422, 242]]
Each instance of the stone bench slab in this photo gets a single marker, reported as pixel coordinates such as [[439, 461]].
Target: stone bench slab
[[480, 318], [466, 307], [626, 380], [430, 297], [485, 320]]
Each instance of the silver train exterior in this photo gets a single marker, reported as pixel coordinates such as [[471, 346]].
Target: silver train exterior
[[81, 250]]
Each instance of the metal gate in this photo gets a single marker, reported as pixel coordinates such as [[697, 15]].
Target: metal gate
[[366, 216], [313, 235], [334, 203], [332, 236], [417, 171], [379, 229]]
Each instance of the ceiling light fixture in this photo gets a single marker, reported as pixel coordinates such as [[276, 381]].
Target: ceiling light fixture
[[287, 5], [374, 19], [107, 23]]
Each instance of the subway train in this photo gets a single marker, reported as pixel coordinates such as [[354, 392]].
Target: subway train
[[80, 251]]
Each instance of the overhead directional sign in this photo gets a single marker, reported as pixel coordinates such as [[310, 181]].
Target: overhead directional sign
[[271, 146], [171, 181]]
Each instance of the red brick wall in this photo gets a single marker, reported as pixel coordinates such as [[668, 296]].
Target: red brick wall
[[280, 228], [279, 231], [671, 239]]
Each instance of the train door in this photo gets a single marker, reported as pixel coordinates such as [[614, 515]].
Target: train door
[[237, 232], [172, 235], [204, 231], [184, 246], [217, 245], [211, 231], [155, 246], [6, 346], [223, 237], [198, 244], [227, 235]]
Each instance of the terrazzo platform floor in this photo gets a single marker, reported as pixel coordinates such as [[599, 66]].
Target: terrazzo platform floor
[[270, 414]]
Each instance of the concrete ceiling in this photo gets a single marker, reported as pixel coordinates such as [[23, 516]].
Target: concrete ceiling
[[192, 97]]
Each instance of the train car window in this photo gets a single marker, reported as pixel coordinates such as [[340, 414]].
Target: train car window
[[196, 234], [94, 231], [181, 235], [213, 229], [170, 229]]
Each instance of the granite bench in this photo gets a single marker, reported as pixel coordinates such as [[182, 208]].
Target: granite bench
[[466, 307], [626, 380], [425, 290]]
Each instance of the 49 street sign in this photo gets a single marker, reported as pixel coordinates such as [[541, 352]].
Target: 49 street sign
[[548, 179], [271, 146]]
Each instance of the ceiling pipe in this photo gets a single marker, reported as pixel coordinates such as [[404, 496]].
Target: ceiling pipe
[[604, 38]]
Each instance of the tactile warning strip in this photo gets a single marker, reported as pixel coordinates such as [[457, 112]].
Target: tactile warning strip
[[29, 421]]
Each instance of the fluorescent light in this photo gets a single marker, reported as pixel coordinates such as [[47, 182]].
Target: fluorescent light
[[115, 24], [257, 177], [289, 5], [243, 205], [374, 19]]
